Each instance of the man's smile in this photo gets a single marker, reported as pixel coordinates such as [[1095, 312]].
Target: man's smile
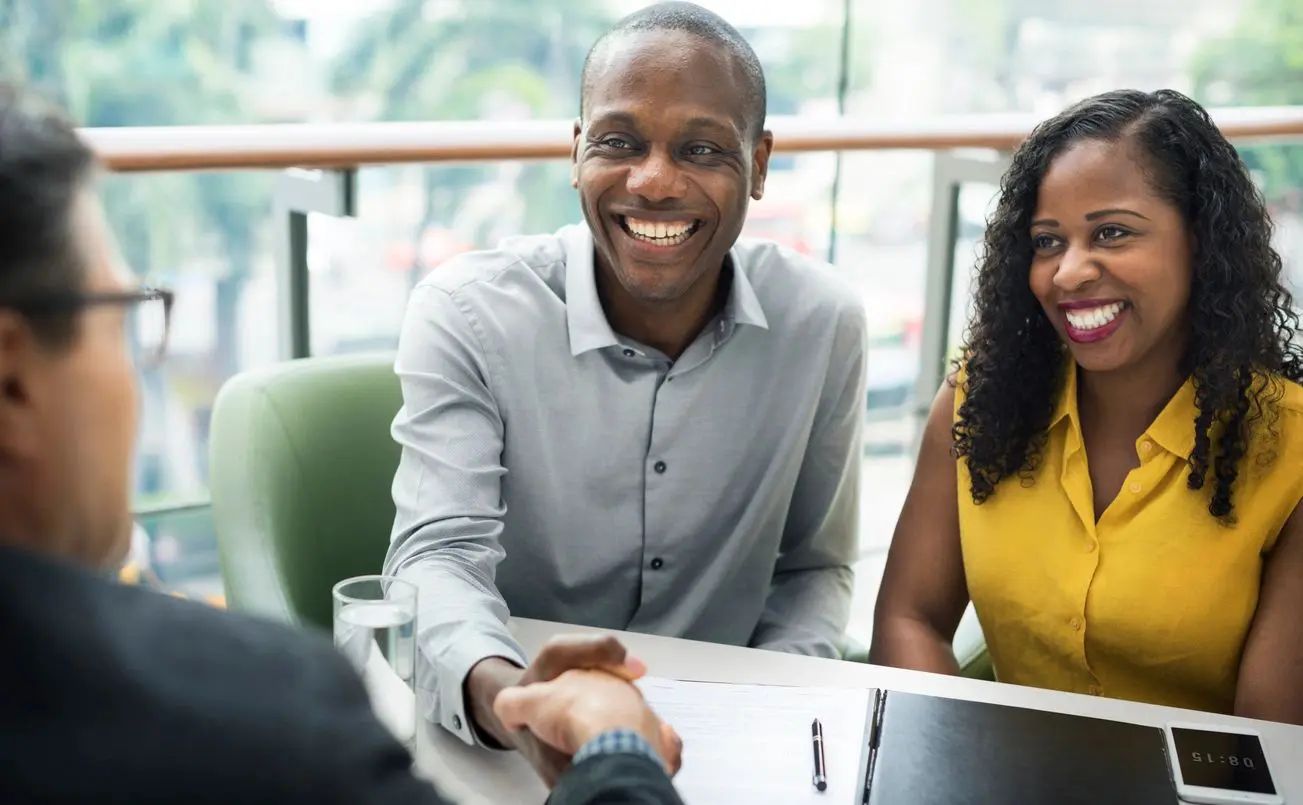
[[665, 240], [659, 233]]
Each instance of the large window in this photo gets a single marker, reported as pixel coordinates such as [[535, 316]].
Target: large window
[[128, 63]]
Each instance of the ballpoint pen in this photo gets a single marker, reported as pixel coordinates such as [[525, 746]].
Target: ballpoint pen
[[820, 770]]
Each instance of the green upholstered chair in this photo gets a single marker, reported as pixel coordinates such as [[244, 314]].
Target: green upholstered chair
[[301, 463], [970, 648]]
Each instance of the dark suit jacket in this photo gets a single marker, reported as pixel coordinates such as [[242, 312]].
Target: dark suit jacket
[[111, 694]]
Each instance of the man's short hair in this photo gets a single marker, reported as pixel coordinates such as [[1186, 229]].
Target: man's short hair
[[706, 25], [44, 166]]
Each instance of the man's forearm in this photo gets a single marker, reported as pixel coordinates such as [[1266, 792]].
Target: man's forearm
[[620, 779], [461, 623], [806, 612], [483, 684]]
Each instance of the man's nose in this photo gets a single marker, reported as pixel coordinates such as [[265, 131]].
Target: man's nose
[[657, 177], [1077, 268]]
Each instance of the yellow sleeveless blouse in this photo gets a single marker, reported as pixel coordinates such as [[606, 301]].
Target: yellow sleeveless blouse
[[1154, 602]]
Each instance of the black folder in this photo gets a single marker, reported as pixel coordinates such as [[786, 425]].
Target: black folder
[[925, 750]]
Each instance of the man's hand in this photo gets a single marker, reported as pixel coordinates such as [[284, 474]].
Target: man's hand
[[494, 675], [577, 706]]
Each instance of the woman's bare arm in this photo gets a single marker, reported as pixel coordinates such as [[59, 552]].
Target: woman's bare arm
[[924, 593], [1271, 670]]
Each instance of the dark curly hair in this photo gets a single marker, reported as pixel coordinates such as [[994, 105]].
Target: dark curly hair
[[1242, 322]]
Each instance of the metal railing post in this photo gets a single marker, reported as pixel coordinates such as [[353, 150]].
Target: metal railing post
[[299, 192], [950, 172]]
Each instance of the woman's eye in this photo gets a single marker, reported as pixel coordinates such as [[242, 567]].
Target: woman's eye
[[1111, 233], [1042, 242]]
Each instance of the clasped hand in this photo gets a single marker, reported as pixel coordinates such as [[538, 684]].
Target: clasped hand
[[576, 689]]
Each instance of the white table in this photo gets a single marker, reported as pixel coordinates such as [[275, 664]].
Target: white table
[[476, 775]]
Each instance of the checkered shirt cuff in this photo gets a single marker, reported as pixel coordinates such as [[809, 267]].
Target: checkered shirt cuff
[[616, 742]]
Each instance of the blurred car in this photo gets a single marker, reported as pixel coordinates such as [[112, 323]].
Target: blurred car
[[894, 339], [782, 224], [892, 371]]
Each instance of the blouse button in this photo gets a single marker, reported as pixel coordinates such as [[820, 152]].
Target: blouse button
[[1135, 487], [1146, 446], [1075, 623]]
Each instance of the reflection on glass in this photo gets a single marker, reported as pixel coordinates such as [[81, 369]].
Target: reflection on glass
[[205, 237]]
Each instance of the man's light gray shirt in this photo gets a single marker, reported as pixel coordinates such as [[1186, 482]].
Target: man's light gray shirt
[[556, 470]]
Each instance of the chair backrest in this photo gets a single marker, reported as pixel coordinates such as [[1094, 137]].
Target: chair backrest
[[301, 467]]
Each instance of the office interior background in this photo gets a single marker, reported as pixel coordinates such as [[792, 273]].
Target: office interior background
[[211, 235]]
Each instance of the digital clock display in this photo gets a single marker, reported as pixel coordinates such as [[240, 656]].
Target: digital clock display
[[1223, 760]]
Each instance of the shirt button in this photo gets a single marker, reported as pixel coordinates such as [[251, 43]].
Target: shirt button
[[1075, 623], [657, 563], [456, 722], [628, 353], [1135, 487], [659, 466]]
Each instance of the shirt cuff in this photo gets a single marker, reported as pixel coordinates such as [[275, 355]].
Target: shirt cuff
[[447, 705], [617, 742]]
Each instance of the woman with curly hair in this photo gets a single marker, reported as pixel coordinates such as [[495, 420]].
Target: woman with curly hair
[[1113, 473]]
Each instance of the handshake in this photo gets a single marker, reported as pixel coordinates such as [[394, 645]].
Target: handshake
[[575, 689]]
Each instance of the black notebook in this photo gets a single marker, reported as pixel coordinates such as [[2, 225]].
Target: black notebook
[[926, 750]]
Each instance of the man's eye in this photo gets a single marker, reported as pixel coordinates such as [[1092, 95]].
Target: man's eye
[[618, 143], [702, 150]]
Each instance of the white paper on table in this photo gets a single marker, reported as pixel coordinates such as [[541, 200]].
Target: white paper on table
[[750, 744]]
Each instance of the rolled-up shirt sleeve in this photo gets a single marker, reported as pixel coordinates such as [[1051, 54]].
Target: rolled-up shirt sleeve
[[448, 500]]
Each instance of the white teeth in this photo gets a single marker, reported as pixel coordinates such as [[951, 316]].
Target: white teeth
[[660, 232], [1093, 318]]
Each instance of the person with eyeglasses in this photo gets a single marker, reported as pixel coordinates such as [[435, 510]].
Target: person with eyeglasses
[[111, 693]]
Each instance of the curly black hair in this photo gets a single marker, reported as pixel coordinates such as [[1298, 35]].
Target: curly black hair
[[1242, 322]]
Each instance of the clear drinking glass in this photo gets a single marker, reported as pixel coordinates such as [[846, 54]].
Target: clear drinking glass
[[375, 628]]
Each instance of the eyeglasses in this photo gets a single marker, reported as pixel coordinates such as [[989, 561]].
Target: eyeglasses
[[149, 315]]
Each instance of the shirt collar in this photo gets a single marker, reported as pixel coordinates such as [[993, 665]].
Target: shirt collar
[[1172, 430], [585, 318]]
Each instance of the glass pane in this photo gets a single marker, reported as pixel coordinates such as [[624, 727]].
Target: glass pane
[[1278, 170], [976, 203], [132, 63], [882, 217], [207, 237], [180, 549]]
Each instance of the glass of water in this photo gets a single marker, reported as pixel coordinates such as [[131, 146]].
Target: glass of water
[[375, 628]]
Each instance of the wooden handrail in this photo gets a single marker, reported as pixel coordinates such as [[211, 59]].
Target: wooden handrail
[[181, 148]]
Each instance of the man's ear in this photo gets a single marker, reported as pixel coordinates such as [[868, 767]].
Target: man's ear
[[19, 361], [574, 152], [760, 163]]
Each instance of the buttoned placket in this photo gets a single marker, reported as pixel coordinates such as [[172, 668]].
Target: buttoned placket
[[1074, 476], [666, 447]]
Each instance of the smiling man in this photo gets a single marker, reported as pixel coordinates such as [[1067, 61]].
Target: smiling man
[[641, 422]]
